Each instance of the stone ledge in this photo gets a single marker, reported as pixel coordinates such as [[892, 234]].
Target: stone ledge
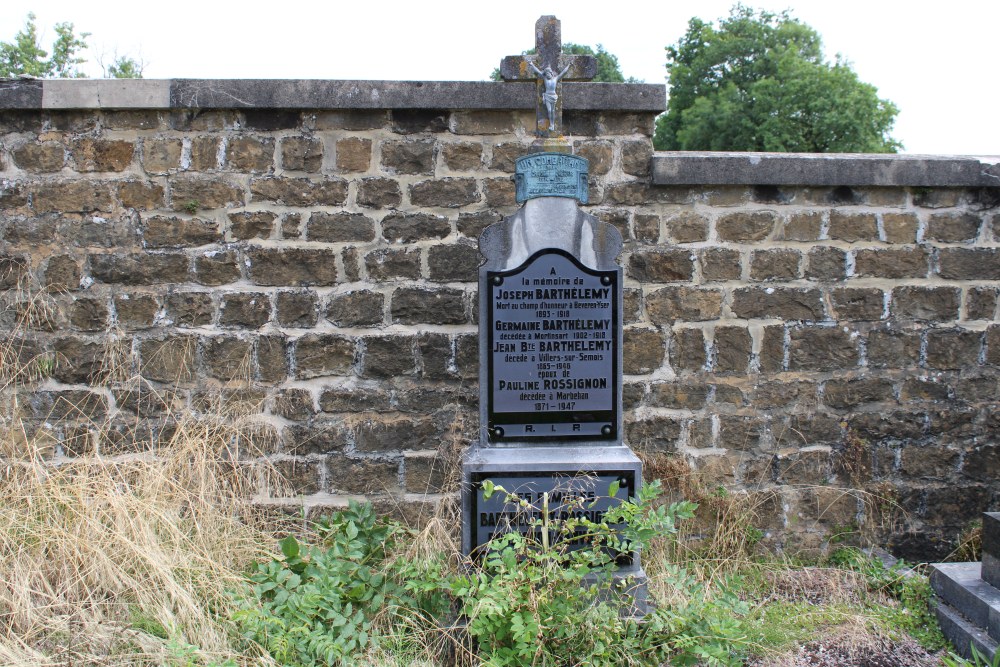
[[824, 169], [316, 94]]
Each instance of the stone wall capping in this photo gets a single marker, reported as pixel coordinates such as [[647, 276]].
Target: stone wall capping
[[316, 94], [824, 169]]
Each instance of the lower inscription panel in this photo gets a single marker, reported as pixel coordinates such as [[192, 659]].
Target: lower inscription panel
[[580, 496]]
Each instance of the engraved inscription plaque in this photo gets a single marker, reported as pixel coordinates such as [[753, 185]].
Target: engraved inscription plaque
[[551, 175], [578, 496], [553, 350]]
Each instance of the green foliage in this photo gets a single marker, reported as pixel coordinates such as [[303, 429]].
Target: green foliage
[[123, 67], [316, 604], [759, 82], [546, 597], [25, 55], [608, 69], [978, 660], [528, 600]]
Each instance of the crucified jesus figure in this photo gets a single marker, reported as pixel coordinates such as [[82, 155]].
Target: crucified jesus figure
[[550, 96]]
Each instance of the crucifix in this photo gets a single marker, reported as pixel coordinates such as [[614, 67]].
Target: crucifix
[[549, 67]]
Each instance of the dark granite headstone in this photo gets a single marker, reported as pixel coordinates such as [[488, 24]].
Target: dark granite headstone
[[550, 346]]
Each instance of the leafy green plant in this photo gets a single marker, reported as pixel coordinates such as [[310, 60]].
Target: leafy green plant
[[316, 604], [536, 598], [192, 206], [978, 660]]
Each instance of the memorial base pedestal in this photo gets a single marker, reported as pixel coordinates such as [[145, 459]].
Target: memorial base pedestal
[[560, 471]]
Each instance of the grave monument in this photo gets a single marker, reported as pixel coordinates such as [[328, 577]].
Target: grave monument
[[550, 341]]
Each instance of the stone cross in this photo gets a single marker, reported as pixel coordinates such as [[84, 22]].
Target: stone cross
[[548, 67]]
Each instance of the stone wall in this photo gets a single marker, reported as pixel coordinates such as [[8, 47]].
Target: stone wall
[[821, 333]]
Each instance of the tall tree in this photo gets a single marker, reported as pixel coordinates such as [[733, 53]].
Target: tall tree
[[760, 82], [25, 55], [608, 69]]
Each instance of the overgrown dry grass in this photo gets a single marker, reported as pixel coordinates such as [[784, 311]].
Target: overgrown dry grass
[[122, 560]]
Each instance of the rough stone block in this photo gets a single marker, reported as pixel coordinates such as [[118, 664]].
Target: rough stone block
[[139, 269], [291, 266], [192, 194], [969, 263], [360, 398], [253, 155], [388, 357], [297, 309], [411, 227], [356, 309], [720, 264], [852, 227], [802, 226], [250, 310], [189, 309], [62, 272], [140, 195], [216, 267], [822, 349], [321, 437], [395, 434], [779, 264], [686, 350], [858, 303], [677, 303], [136, 311], [387, 264], [953, 349], [44, 157], [427, 474], [457, 262], [826, 263], [340, 227], [327, 191], [981, 303], [844, 394], [418, 305], [323, 354], [169, 359], [79, 360], [247, 225], [378, 193], [657, 434], [926, 303], [500, 193], [891, 263], [485, 122], [444, 192], [354, 154], [662, 266], [637, 157], [893, 348], [732, 349], [204, 153], [408, 157], [599, 153], [787, 303], [463, 156], [161, 156], [162, 232], [72, 197], [505, 155], [272, 358], [745, 226], [102, 154], [301, 154], [348, 475], [953, 227], [228, 358], [642, 350]]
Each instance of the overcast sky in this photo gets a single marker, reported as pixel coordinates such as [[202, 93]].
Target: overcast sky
[[936, 61]]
